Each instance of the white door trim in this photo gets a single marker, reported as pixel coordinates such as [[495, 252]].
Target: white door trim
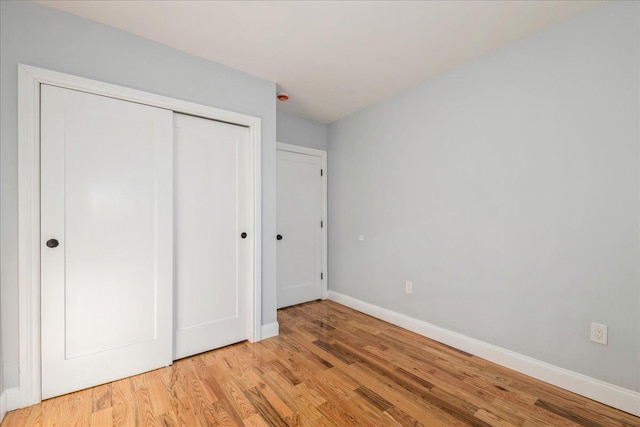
[[29, 81], [323, 155]]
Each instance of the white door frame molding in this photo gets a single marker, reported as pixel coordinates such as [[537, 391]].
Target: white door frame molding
[[29, 81], [323, 155]]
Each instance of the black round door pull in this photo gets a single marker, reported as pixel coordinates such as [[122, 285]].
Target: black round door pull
[[243, 235], [279, 237], [52, 243]]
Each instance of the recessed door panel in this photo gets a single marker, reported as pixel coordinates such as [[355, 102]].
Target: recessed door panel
[[106, 182], [212, 211]]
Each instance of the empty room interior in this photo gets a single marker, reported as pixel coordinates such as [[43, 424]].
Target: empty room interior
[[320, 213]]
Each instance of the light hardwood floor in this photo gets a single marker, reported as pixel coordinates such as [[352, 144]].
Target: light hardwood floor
[[331, 366]]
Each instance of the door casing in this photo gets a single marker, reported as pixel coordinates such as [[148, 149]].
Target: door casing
[[280, 146], [29, 80]]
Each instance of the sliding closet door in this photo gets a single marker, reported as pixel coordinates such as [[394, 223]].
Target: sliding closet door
[[213, 234], [106, 227]]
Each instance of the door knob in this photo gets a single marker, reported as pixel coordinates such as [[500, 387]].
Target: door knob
[[279, 237], [243, 235], [52, 243]]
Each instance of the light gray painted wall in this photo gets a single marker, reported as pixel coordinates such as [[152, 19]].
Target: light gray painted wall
[[507, 190], [298, 131], [37, 35]]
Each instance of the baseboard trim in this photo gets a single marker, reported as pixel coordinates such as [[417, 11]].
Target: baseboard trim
[[609, 394], [9, 400], [270, 330]]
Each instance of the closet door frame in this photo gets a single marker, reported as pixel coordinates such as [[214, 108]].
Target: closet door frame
[[29, 246]]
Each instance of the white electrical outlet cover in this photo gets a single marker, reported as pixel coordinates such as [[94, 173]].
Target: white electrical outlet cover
[[599, 333]]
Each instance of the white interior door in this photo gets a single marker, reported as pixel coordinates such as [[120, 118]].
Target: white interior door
[[299, 222], [106, 231], [213, 261]]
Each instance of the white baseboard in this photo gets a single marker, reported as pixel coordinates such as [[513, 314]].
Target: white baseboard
[[609, 394], [9, 400], [270, 330]]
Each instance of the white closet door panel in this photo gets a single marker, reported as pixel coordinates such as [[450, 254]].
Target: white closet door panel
[[212, 210], [107, 198], [299, 198]]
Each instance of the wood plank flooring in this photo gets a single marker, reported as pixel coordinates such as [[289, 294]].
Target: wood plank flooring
[[331, 366]]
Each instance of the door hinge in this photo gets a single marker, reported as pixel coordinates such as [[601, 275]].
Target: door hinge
[[321, 172], [321, 224], [321, 276]]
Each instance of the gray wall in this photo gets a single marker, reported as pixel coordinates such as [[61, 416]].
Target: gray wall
[[36, 35], [507, 190], [298, 131]]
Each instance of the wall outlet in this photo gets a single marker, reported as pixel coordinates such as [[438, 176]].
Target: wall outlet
[[408, 287], [599, 333]]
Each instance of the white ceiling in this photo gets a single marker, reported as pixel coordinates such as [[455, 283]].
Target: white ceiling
[[333, 58]]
